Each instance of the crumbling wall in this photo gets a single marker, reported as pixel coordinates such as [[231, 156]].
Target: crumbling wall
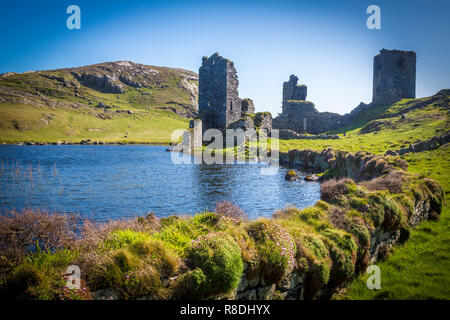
[[303, 117], [247, 107], [293, 91], [394, 78]]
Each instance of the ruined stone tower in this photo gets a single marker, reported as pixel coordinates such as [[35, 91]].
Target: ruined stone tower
[[394, 76], [293, 91], [219, 103]]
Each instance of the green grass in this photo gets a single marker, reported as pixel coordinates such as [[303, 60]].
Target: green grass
[[419, 268], [75, 125]]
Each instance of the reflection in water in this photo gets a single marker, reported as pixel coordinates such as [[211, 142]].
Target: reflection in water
[[113, 182]]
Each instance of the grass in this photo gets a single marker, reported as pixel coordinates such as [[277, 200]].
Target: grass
[[76, 125], [419, 268]]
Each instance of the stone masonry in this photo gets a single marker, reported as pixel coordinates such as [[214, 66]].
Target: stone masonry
[[293, 91], [394, 76], [219, 103]]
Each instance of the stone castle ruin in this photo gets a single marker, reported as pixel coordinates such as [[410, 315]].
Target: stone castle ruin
[[394, 78], [294, 91], [301, 116], [218, 100], [219, 104]]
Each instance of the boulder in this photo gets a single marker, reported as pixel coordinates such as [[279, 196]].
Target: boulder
[[312, 177], [291, 176], [105, 294]]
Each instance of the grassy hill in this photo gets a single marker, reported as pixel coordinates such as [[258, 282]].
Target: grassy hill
[[419, 268], [113, 101]]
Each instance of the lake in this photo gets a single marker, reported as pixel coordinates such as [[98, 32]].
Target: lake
[[119, 181]]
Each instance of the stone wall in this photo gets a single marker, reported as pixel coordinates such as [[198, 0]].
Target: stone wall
[[290, 134], [360, 166], [293, 91], [302, 282], [247, 107], [429, 144], [302, 117]]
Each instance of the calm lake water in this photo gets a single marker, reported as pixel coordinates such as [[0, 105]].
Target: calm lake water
[[119, 181]]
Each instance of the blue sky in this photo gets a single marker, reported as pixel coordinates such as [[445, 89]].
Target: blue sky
[[325, 43]]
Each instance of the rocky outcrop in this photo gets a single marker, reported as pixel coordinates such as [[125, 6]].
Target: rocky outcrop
[[291, 175], [104, 83], [430, 144], [152, 87], [359, 166]]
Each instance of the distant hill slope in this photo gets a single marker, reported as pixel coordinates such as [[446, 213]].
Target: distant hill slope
[[112, 101]]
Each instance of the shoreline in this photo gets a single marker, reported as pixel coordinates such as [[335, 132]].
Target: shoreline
[[83, 142]]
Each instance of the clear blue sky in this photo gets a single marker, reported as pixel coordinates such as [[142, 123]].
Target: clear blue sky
[[325, 43]]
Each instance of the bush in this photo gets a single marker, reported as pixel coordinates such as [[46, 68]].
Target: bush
[[26, 230], [343, 254], [276, 249], [228, 209], [95, 235], [219, 257], [40, 276], [157, 255], [394, 182], [331, 189], [178, 234], [190, 285]]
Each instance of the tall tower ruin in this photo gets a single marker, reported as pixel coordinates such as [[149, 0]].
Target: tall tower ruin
[[394, 76], [219, 103], [293, 91]]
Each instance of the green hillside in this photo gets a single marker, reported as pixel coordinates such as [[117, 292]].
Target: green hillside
[[114, 101]]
